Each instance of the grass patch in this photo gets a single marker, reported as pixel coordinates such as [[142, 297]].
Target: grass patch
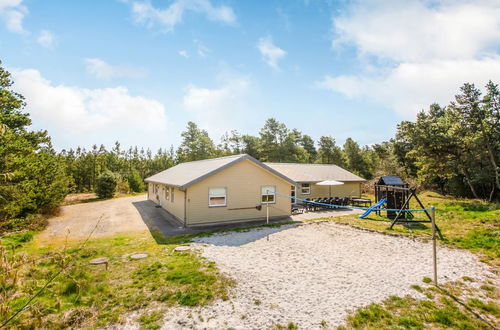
[[151, 321], [442, 310], [86, 295], [289, 326], [17, 240]]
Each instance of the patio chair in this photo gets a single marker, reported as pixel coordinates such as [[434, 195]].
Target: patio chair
[[336, 201], [345, 201], [309, 206], [297, 208]]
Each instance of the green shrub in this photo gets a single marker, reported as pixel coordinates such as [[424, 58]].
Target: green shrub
[[106, 185], [135, 181]]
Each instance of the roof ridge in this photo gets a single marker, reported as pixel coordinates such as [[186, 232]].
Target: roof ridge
[[216, 158], [274, 163]]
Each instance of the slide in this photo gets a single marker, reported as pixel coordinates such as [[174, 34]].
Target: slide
[[373, 207]]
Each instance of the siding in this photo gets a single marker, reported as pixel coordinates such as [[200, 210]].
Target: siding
[[349, 189], [243, 182], [175, 208]]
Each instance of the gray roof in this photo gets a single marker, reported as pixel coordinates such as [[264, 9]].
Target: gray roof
[[186, 174], [314, 172], [392, 180]]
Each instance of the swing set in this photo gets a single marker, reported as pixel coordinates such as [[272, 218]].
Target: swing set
[[397, 195]]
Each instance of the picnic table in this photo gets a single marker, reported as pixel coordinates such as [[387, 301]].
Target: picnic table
[[361, 201]]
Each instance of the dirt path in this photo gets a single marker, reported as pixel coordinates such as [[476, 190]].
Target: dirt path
[[77, 221]]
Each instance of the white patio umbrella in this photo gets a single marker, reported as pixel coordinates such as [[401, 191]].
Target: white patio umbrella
[[330, 183]]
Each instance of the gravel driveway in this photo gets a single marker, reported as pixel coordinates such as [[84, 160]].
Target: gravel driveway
[[315, 272], [77, 221]]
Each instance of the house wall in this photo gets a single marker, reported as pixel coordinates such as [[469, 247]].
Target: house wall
[[176, 208], [348, 189], [243, 182]]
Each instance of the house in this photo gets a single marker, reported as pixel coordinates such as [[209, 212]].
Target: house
[[241, 188], [226, 189], [307, 177]]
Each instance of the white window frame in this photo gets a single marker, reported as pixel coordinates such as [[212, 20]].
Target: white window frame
[[172, 189], [167, 193], [308, 189], [214, 194], [263, 193]]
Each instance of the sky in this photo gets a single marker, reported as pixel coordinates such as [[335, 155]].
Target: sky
[[136, 71]]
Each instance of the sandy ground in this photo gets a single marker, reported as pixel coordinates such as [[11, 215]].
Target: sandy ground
[[77, 221], [126, 215], [311, 273]]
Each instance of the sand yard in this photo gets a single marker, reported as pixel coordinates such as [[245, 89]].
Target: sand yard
[[314, 273]]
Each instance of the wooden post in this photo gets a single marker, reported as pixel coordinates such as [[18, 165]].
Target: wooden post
[[434, 258]]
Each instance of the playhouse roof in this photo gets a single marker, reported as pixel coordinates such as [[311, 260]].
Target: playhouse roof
[[392, 180]]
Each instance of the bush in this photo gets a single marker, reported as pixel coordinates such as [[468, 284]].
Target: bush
[[123, 187], [135, 182], [106, 185]]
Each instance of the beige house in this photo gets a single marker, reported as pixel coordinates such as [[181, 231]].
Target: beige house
[[307, 177], [227, 189], [241, 188]]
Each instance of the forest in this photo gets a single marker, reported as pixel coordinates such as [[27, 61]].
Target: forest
[[451, 148]]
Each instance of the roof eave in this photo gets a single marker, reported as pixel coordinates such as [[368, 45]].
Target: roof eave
[[237, 160]]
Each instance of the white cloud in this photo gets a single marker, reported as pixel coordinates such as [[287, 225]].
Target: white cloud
[[183, 53], [411, 87], [424, 51], [102, 70], [145, 13], [46, 39], [219, 109], [201, 49], [12, 12], [418, 30], [271, 54], [78, 111]]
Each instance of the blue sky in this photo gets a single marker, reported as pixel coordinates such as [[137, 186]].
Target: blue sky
[[136, 71]]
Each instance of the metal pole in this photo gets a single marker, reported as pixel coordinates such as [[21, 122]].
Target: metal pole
[[267, 215], [267, 212], [434, 259]]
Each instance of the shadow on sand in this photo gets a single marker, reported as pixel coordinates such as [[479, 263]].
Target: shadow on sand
[[240, 237], [163, 226]]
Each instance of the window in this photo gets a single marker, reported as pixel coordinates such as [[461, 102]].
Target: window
[[167, 191], [216, 197], [156, 189], [172, 194], [268, 194], [305, 189]]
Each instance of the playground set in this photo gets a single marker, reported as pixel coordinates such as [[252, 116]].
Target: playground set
[[396, 195]]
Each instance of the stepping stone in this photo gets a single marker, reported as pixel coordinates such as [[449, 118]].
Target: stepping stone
[[139, 256], [100, 261], [182, 248]]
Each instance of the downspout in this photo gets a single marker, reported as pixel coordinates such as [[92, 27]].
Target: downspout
[[185, 207]]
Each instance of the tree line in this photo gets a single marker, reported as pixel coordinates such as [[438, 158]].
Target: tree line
[[453, 149]]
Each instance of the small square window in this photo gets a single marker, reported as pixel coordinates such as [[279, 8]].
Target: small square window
[[217, 197], [305, 189], [268, 195]]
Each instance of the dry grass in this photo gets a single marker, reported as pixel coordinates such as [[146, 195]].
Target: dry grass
[[87, 295]]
